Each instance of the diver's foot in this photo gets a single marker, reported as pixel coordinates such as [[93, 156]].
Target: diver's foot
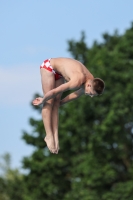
[[56, 143], [50, 144]]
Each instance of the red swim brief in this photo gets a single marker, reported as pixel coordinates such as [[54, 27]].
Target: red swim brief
[[46, 65]]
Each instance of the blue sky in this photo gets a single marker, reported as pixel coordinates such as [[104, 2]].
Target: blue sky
[[33, 30]]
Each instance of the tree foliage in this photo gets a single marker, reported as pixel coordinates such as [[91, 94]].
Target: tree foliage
[[96, 134], [12, 186]]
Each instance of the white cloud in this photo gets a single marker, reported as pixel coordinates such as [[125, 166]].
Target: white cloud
[[19, 84], [32, 50]]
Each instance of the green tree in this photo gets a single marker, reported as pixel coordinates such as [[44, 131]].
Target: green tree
[[12, 186], [96, 135]]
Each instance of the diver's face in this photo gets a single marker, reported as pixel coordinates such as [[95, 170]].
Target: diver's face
[[89, 89]]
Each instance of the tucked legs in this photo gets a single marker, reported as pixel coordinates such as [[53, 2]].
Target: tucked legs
[[50, 110]]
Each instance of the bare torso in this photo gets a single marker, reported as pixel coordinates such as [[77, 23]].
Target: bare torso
[[71, 69]]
